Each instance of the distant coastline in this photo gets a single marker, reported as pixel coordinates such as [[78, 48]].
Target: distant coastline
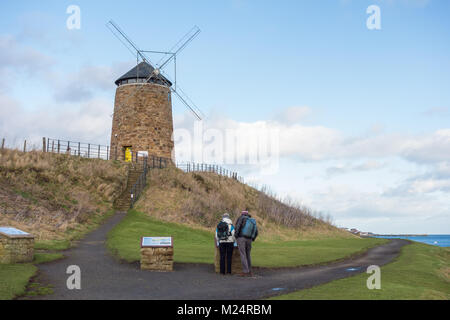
[[440, 240], [399, 235]]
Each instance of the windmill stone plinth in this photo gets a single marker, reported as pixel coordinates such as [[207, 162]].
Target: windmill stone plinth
[[142, 118]]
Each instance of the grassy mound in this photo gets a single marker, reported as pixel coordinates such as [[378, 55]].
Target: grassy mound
[[56, 196], [196, 245], [420, 272], [199, 200]]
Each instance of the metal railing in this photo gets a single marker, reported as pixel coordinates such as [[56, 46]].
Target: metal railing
[[212, 168], [91, 150], [145, 164], [80, 149], [140, 184]]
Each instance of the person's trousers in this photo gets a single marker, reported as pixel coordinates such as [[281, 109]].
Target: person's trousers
[[245, 248], [226, 253]]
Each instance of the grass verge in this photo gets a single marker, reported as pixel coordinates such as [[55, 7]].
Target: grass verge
[[197, 246], [421, 272], [14, 278]]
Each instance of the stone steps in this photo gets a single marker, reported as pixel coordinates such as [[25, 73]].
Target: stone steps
[[123, 202]]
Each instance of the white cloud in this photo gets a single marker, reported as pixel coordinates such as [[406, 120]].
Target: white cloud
[[88, 121], [89, 80], [319, 143]]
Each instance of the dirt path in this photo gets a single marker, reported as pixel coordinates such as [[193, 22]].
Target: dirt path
[[102, 277]]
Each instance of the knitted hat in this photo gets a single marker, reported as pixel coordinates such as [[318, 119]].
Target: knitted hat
[[245, 212], [226, 215]]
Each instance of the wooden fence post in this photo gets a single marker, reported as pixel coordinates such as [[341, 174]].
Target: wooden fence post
[[3, 143], [25, 146], [43, 145]]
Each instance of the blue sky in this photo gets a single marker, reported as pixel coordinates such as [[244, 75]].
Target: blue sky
[[364, 115]]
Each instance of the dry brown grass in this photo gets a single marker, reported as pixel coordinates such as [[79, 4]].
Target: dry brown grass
[[50, 194], [200, 199]]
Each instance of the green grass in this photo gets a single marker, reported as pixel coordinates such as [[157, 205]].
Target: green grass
[[52, 245], [14, 279], [44, 257], [197, 246], [418, 273]]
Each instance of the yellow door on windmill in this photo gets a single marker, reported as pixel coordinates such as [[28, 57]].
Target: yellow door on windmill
[[128, 155]]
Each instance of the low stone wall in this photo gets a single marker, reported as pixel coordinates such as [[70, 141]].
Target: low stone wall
[[157, 259], [236, 265], [16, 250]]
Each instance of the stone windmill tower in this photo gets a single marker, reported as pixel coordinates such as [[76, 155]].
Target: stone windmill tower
[[142, 119]]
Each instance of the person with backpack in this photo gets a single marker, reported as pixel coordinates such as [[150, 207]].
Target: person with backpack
[[246, 233], [225, 238]]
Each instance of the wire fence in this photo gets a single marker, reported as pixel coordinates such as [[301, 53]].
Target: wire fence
[[138, 160], [212, 168], [91, 150], [80, 149], [24, 146]]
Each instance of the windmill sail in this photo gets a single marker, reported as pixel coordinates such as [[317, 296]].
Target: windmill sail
[[155, 74]]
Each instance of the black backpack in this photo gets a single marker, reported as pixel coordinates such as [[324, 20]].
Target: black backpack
[[222, 231]]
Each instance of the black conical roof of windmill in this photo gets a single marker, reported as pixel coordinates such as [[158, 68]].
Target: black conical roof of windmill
[[143, 71]]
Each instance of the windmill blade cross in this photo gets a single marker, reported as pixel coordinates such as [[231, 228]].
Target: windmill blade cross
[[127, 39], [181, 44], [177, 48]]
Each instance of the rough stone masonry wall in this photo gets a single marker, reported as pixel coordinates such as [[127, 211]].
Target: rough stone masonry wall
[[143, 120], [16, 250], [236, 265], [157, 259]]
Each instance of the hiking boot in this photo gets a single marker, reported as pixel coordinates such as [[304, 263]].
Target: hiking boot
[[243, 274]]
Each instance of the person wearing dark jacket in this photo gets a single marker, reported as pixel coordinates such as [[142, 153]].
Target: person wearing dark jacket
[[244, 244], [226, 243]]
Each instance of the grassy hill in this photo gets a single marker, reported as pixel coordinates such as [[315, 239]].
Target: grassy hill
[[198, 200], [56, 197], [59, 198]]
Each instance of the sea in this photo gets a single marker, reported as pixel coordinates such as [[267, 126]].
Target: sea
[[440, 240]]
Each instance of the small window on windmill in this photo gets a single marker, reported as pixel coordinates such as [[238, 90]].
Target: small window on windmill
[[168, 96]]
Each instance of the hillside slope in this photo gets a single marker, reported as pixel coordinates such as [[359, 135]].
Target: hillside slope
[[51, 195], [200, 199]]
